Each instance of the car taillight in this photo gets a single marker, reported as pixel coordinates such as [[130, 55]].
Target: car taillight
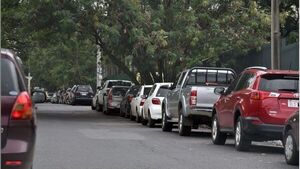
[[109, 97], [193, 98], [129, 98], [142, 102], [156, 101], [260, 95], [22, 109], [13, 163]]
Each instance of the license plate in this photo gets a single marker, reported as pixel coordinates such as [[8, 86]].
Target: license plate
[[293, 103], [83, 94]]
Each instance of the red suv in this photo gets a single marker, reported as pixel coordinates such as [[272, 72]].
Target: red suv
[[255, 106]]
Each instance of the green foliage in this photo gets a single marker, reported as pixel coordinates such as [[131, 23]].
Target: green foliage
[[153, 38]]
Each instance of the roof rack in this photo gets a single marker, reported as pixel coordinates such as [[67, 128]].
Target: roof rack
[[256, 67]]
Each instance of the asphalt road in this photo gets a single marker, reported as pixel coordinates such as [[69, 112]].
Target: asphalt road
[[75, 137]]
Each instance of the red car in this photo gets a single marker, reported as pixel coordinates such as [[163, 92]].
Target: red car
[[255, 106], [18, 121]]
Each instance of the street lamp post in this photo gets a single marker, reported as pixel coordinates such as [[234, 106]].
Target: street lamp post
[[275, 35], [29, 80]]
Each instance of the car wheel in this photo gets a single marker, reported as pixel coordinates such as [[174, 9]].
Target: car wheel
[[290, 149], [166, 126], [151, 122], [122, 114], [183, 129], [217, 137], [97, 106], [241, 142]]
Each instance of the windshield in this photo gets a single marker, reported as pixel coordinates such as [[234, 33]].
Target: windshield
[[277, 83], [9, 79], [118, 83]]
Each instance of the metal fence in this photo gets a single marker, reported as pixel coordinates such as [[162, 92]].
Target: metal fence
[[289, 58]]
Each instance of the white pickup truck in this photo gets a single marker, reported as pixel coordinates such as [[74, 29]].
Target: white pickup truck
[[191, 98]]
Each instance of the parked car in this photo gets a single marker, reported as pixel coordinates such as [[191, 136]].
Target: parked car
[[54, 98], [291, 139], [39, 96], [255, 106], [191, 98], [49, 96], [151, 111], [18, 115], [125, 103], [114, 98], [135, 104], [104, 89], [83, 94]]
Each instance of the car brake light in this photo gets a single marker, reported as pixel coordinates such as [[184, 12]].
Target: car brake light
[[109, 97], [22, 108], [13, 163], [193, 98], [142, 102], [156, 101], [129, 98], [259, 95]]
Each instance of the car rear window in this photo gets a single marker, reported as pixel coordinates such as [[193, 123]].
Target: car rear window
[[118, 83], [276, 83], [9, 78], [210, 77], [134, 90], [84, 88], [162, 92], [147, 90], [119, 91]]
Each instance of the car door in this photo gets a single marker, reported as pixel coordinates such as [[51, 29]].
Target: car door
[[174, 97], [224, 107]]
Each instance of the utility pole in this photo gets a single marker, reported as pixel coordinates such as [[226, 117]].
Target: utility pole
[[29, 79], [99, 66], [275, 35]]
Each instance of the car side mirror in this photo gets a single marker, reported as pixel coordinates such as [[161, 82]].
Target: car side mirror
[[219, 90], [39, 97]]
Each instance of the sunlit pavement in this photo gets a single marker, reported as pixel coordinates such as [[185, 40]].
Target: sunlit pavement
[[75, 137]]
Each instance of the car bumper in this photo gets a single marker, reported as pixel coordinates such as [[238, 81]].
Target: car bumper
[[207, 112], [262, 132], [19, 149], [85, 100]]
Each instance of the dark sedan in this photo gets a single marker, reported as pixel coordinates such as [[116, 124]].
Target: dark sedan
[[18, 120], [291, 139], [82, 94]]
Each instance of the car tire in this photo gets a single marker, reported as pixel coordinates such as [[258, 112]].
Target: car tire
[[166, 126], [217, 137], [122, 114], [183, 129], [241, 142], [290, 149], [151, 122]]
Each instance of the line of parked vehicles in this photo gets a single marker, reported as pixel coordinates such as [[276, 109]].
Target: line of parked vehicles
[[78, 94], [257, 105]]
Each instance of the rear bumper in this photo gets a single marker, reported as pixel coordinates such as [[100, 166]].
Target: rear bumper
[[200, 116], [262, 132], [197, 111], [83, 100], [19, 147]]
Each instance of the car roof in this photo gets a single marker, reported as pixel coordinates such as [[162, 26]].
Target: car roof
[[260, 72]]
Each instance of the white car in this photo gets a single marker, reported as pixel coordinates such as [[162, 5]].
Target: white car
[[152, 106], [135, 104]]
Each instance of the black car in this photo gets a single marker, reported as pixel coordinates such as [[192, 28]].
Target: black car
[[125, 103], [291, 139], [82, 94], [18, 119]]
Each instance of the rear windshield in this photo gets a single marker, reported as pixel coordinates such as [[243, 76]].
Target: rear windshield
[[118, 83], [277, 83], [147, 90], [9, 79], [119, 91], [84, 88], [162, 92], [134, 90], [210, 77]]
